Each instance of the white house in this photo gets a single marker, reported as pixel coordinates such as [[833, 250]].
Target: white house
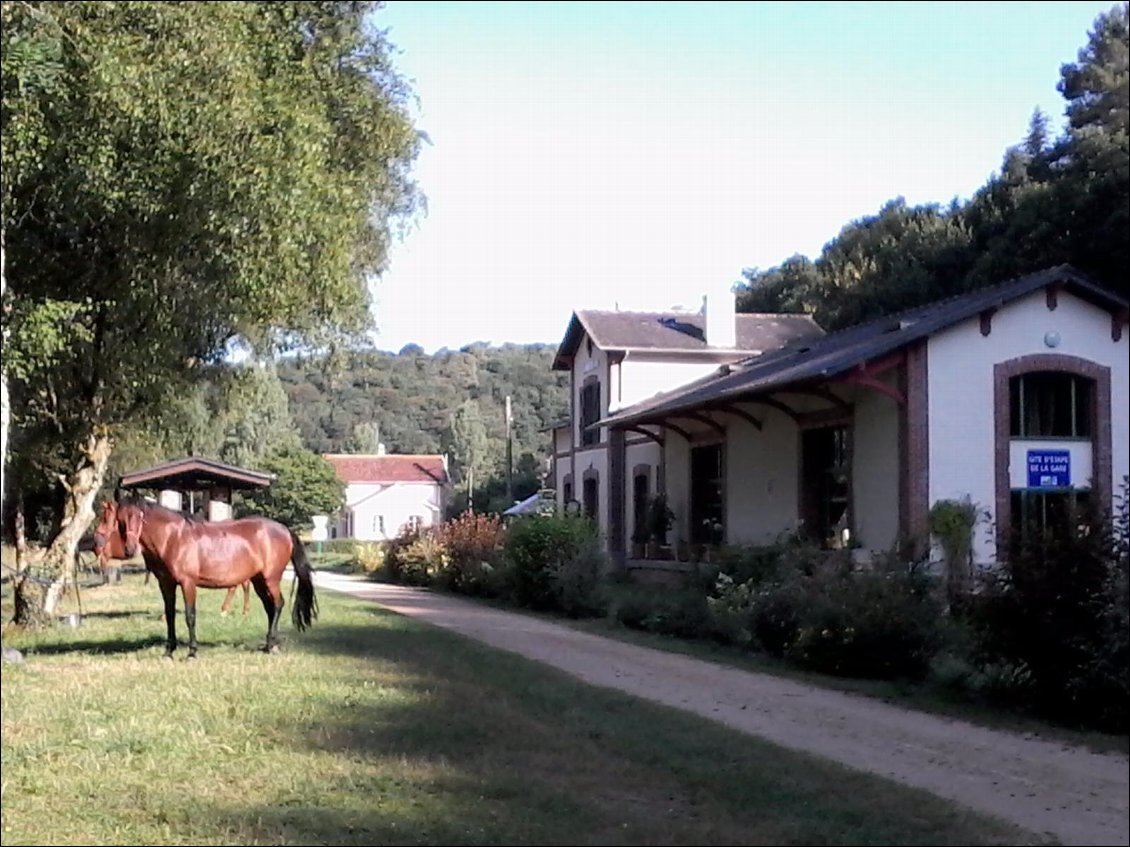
[[616, 359], [1014, 397], [386, 494]]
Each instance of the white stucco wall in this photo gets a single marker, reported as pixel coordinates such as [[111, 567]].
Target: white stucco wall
[[960, 363], [875, 469], [762, 474], [678, 473], [397, 503], [561, 442], [641, 378]]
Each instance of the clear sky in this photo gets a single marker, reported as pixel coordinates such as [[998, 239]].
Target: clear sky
[[595, 155]]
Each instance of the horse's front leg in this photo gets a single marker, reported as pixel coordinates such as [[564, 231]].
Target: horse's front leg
[[188, 589], [169, 594]]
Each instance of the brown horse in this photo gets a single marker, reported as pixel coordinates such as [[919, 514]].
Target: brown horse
[[110, 546], [222, 554]]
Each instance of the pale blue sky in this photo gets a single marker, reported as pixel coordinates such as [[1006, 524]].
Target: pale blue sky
[[589, 155]]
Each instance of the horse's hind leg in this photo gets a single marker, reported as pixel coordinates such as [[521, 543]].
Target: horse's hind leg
[[273, 603], [246, 596], [169, 594]]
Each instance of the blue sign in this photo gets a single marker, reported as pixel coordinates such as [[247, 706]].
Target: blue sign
[[1049, 468]]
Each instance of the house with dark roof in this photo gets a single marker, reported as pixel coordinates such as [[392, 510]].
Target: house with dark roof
[[386, 494], [619, 359], [1013, 398]]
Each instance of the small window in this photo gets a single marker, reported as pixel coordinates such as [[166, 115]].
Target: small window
[[1041, 516], [415, 523], [1049, 404], [590, 413], [592, 498]]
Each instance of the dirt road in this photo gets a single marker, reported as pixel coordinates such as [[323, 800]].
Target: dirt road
[[1071, 794]]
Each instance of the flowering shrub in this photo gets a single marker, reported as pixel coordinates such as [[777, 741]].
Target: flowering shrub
[[472, 543], [414, 557]]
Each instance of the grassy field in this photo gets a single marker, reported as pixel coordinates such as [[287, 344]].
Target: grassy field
[[373, 728]]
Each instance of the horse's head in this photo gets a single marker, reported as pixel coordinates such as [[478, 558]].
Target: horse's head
[[106, 526], [130, 521]]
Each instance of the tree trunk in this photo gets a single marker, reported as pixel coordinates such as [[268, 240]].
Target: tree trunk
[[28, 594], [5, 411], [35, 606]]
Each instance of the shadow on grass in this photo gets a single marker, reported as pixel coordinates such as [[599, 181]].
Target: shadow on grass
[[465, 744], [112, 615], [101, 646]]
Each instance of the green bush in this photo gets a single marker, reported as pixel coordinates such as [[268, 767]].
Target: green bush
[[883, 622], [679, 612], [554, 562], [1058, 609], [338, 545]]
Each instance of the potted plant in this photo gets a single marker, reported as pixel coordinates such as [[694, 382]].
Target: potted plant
[[660, 518]]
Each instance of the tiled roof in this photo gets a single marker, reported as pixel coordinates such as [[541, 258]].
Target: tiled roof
[[388, 468], [829, 356], [679, 332]]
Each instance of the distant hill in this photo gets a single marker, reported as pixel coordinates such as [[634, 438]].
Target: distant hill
[[406, 400]]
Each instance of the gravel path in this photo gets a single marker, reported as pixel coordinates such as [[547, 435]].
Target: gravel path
[[1068, 793]]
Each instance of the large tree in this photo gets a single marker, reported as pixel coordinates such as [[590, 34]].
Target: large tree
[[184, 174]]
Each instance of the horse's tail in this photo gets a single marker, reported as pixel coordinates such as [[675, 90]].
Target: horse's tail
[[304, 608]]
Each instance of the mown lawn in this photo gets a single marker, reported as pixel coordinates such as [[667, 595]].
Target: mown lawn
[[372, 728]]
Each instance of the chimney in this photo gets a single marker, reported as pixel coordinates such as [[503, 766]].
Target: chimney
[[719, 322]]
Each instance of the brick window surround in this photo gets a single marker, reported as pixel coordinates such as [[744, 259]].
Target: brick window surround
[[1003, 372]]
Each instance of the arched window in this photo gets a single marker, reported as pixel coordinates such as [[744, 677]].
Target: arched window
[[1053, 444]]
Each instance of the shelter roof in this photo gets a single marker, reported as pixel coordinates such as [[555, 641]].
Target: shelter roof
[[194, 473]]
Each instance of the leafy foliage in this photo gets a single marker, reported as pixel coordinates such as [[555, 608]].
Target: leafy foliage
[[451, 401], [474, 546], [178, 176], [305, 485], [1059, 614], [555, 563]]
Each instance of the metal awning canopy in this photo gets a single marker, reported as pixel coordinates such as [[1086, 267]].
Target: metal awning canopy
[[196, 474]]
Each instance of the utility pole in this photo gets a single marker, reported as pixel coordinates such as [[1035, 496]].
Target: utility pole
[[509, 457]]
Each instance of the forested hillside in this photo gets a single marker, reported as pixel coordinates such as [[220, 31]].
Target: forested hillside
[[412, 402]]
